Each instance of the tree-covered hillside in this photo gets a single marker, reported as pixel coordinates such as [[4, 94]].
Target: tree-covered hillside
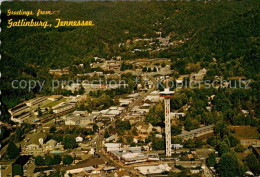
[[223, 30], [226, 31]]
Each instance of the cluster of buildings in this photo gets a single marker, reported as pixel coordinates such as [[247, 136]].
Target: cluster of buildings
[[153, 97], [162, 43], [97, 85], [22, 111], [36, 146], [64, 107], [111, 65], [28, 111], [59, 72], [85, 119], [129, 155], [110, 114], [81, 118], [199, 75], [98, 167], [95, 167]]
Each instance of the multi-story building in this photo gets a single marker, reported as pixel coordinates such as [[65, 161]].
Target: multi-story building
[[63, 108], [36, 101], [197, 132], [55, 97], [81, 118], [20, 118], [18, 108]]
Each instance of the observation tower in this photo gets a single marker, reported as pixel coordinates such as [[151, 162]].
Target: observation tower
[[167, 94]]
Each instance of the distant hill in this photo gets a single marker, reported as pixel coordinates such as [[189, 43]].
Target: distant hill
[[224, 30]]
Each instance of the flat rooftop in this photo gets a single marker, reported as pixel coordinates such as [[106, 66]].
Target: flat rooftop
[[196, 130]]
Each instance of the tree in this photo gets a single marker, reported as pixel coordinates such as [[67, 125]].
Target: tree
[[239, 148], [184, 98], [155, 115], [50, 110], [69, 142], [233, 141], [39, 161], [163, 64], [176, 103], [19, 133], [189, 144], [17, 169], [253, 164], [134, 131], [221, 129], [106, 134], [56, 159], [4, 133], [126, 66], [95, 127], [223, 148], [67, 160], [191, 124], [12, 151], [175, 130], [53, 129], [39, 112], [188, 125], [48, 160], [212, 141], [198, 143], [221, 103], [120, 139], [158, 144], [81, 90], [121, 126], [229, 166], [211, 160], [226, 140], [129, 139]]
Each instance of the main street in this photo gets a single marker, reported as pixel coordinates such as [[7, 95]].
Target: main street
[[100, 137]]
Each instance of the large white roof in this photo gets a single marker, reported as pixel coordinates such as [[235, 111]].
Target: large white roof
[[108, 145], [153, 169]]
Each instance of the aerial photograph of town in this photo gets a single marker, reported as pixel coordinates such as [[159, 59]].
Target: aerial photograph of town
[[130, 88]]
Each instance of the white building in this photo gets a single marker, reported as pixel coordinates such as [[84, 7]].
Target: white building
[[35, 101], [79, 139], [63, 108], [55, 97], [149, 170], [177, 146], [112, 146]]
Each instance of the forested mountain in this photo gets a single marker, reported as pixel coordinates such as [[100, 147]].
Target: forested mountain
[[224, 30], [227, 31]]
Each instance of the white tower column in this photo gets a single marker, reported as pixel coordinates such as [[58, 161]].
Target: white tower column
[[168, 127], [167, 94]]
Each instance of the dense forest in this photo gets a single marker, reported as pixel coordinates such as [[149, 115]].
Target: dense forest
[[222, 36]]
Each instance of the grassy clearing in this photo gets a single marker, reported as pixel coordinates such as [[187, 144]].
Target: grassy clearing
[[54, 103], [245, 132]]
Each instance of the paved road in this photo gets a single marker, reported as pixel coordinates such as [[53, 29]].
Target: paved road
[[99, 139], [7, 171], [207, 172]]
